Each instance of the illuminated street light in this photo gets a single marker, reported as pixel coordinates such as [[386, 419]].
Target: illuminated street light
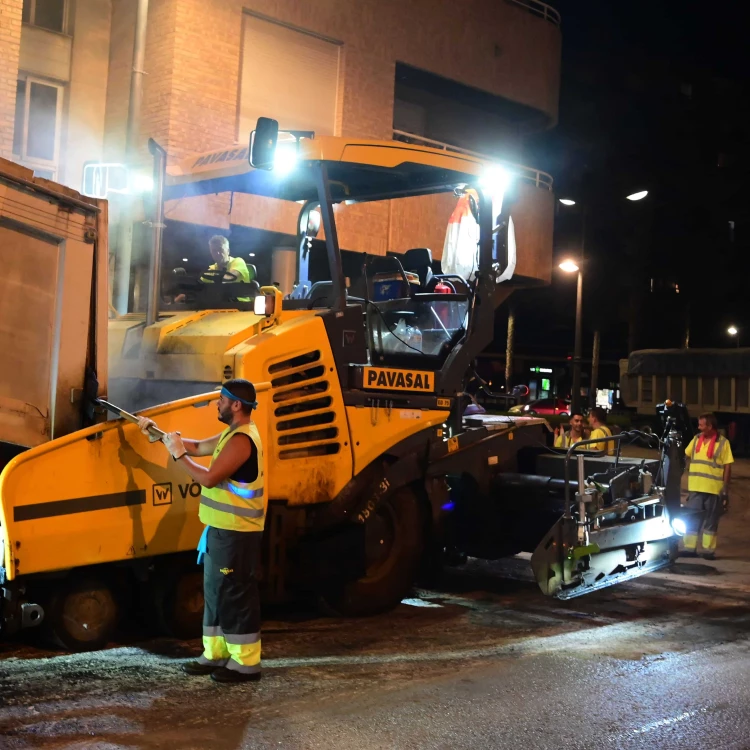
[[638, 196], [567, 202], [732, 331], [569, 266]]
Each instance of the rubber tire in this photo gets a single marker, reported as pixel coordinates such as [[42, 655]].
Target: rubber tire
[[88, 596], [383, 588], [177, 592]]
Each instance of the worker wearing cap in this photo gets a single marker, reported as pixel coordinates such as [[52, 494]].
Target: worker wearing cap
[[234, 269], [709, 473], [600, 431], [233, 509], [575, 435]]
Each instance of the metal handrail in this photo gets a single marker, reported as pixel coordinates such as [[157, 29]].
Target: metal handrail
[[547, 12], [536, 176]]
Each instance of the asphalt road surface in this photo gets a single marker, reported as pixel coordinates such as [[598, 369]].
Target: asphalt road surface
[[484, 662]]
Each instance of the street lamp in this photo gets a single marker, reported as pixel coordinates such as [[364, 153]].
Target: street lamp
[[639, 196], [734, 331], [570, 266]]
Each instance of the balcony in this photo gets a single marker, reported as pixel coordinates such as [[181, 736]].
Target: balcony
[[542, 10], [533, 215]]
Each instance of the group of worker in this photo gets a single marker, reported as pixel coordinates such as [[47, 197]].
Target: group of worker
[[709, 458], [596, 429]]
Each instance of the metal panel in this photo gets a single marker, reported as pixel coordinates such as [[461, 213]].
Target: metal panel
[[30, 273]]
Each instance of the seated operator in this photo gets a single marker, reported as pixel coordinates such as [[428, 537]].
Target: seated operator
[[234, 269], [225, 269]]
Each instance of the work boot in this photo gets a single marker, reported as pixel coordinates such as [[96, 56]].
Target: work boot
[[222, 674], [196, 669], [709, 555], [687, 553]]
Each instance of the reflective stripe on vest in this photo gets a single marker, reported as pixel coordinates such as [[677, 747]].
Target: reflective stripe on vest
[[233, 505], [704, 474]]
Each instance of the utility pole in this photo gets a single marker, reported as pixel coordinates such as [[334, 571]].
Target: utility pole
[[594, 368], [575, 396], [509, 347]]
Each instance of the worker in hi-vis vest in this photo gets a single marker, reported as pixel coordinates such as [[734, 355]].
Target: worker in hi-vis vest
[[574, 435], [599, 430], [709, 473], [233, 509]]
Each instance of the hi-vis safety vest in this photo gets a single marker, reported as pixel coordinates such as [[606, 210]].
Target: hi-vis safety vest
[[608, 446], [232, 505], [707, 474], [235, 267], [563, 440]]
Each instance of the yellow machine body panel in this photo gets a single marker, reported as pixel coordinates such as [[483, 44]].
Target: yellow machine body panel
[[374, 429], [184, 346], [308, 446], [105, 493]]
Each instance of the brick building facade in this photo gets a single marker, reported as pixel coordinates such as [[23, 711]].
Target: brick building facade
[[478, 77]]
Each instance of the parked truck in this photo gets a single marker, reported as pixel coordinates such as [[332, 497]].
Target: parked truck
[[705, 380], [372, 469]]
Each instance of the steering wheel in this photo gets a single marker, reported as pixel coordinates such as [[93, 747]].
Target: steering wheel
[[219, 277]]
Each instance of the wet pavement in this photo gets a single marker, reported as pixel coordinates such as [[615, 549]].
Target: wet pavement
[[485, 661]]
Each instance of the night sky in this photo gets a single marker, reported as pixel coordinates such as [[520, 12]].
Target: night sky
[[654, 96]]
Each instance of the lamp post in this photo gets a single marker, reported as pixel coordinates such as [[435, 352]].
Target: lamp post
[[734, 331], [570, 266]]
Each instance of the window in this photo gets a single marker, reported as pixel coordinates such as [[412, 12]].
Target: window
[[289, 75], [47, 14], [36, 136]]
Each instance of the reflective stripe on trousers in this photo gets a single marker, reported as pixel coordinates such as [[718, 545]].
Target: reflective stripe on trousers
[[690, 542], [703, 525], [240, 653]]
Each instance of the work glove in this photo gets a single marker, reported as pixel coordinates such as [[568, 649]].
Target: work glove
[[145, 424], [724, 496], [173, 443]]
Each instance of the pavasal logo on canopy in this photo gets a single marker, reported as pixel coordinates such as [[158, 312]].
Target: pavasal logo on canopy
[[383, 379]]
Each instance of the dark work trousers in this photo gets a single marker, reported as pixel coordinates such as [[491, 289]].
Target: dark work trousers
[[704, 525], [231, 614]]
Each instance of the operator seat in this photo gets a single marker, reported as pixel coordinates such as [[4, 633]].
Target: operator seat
[[419, 260]]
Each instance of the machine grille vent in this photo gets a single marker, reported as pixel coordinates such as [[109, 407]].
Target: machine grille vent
[[305, 424]]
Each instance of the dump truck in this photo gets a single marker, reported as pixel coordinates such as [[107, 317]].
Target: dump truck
[[705, 380], [374, 472]]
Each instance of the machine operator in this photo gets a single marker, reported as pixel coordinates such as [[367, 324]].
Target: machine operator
[[225, 269], [233, 509]]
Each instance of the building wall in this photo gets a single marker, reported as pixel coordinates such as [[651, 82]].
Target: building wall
[[499, 48], [87, 92], [10, 49]]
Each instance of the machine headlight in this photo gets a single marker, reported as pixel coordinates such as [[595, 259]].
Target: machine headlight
[[679, 527]]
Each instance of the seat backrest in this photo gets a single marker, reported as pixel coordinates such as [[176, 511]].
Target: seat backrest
[[419, 260]]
